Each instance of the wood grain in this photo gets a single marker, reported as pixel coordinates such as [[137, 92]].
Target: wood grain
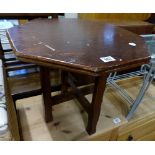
[[77, 44], [70, 118]]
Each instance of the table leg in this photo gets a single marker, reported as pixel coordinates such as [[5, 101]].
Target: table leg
[[46, 90], [95, 106], [64, 83]]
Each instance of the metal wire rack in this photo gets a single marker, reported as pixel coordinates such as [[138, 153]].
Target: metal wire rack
[[148, 73]]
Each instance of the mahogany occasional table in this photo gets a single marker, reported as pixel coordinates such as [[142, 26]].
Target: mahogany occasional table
[[87, 47]]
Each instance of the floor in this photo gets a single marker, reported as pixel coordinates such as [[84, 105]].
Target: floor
[[70, 119]]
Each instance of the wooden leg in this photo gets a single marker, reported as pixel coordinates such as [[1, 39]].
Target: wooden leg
[[64, 79], [46, 90], [95, 107]]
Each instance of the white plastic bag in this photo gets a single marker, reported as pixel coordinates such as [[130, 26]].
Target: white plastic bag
[[3, 120], [3, 111]]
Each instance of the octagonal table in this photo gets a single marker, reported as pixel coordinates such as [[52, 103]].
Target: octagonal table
[[87, 47]]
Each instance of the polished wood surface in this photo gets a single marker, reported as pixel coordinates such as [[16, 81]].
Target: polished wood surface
[[77, 44], [115, 16], [135, 26]]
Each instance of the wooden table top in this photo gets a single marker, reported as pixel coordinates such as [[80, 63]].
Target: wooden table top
[[77, 44]]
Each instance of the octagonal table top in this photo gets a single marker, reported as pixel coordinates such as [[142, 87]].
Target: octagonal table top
[[84, 45]]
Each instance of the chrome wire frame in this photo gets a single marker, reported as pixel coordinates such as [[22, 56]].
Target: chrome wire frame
[[148, 71]]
